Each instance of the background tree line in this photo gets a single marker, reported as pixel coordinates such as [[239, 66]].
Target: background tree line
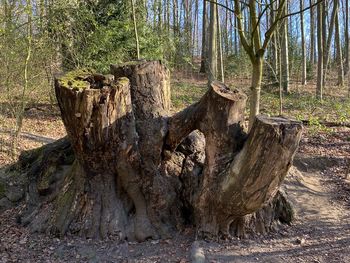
[[269, 41]]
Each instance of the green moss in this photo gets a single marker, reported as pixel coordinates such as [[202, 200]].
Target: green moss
[[123, 81], [45, 179], [64, 203], [75, 79], [29, 156], [65, 200]]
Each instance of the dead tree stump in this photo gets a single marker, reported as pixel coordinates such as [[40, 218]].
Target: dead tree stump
[[130, 170], [237, 166]]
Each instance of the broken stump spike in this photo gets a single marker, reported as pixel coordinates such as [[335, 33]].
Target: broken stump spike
[[251, 181]]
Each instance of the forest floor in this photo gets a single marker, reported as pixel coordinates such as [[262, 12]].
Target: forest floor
[[317, 186]]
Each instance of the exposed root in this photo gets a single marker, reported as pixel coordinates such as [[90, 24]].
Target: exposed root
[[279, 210], [60, 198]]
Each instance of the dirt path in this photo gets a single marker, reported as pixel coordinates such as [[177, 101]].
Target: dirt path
[[321, 232]]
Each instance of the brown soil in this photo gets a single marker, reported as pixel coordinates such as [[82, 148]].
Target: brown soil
[[42, 124]]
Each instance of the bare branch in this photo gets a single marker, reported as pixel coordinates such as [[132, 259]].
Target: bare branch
[[248, 48], [271, 30], [303, 10]]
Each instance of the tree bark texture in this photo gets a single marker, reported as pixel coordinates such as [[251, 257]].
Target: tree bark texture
[[313, 57], [204, 55], [213, 43], [320, 43], [303, 44], [128, 170], [327, 37], [346, 36], [339, 56], [254, 105], [285, 53]]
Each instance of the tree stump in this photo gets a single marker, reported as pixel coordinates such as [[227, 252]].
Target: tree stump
[[129, 170], [237, 166]]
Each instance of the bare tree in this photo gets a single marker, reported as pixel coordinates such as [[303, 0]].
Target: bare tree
[[303, 44], [20, 112], [347, 36], [275, 45], [319, 87], [313, 57], [221, 60], [255, 48], [175, 18], [327, 38], [135, 29], [204, 39], [284, 53], [213, 53], [339, 58]]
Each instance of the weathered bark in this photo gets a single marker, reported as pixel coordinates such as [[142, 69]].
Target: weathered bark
[[150, 93], [127, 170], [232, 161], [97, 113]]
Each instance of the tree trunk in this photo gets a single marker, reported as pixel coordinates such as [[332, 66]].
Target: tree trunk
[[232, 160], [303, 45], [195, 31], [346, 37], [135, 29], [236, 36], [227, 32], [319, 87], [175, 19], [204, 39], [327, 38], [221, 59], [339, 57], [285, 53], [130, 171], [100, 124], [313, 58], [213, 49], [274, 44], [20, 110], [254, 107]]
